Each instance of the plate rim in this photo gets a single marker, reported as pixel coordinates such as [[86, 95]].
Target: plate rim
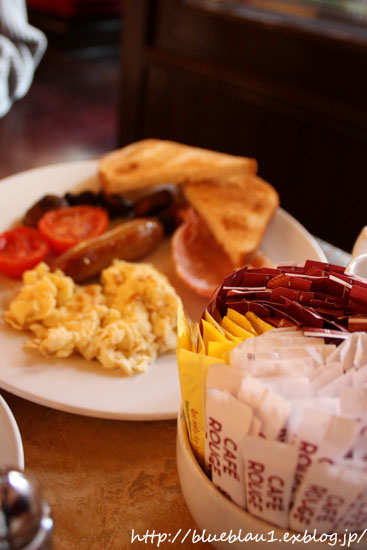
[[89, 165]]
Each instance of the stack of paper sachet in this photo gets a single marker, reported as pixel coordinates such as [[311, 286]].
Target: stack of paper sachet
[[276, 416]]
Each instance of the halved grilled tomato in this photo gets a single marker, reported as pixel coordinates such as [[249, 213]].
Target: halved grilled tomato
[[20, 249], [66, 227]]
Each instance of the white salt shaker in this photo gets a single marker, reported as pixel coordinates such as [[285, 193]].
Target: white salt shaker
[[25, 517]]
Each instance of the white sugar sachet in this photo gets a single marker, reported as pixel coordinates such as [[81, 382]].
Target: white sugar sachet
[[360, 356], [283, 331], [359, 377], [242, 359], [252, 392], [325, 495], [266, 346], [225, 378], [285, 367], [270, 408], [277, 339], [280, 367], [354, 516], [323, 404], [340, 438], [325, 376], [359, 450], [227, 421], [290, 387], [354, 463], [352, 352], [319, 353], [334, 387], [322, 436], [344, 353], [269, 471], [353, 403], [255, 427]]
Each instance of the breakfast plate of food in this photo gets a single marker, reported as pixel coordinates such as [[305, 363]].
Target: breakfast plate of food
[[12, 455], [96, 255]]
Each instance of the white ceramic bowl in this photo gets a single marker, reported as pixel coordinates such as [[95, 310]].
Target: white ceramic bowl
[[218, 516]]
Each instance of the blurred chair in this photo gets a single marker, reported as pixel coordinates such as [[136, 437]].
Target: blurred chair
[[79, 27]]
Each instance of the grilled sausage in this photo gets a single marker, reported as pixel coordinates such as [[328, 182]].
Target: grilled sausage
[[48, 202], [129, 241]]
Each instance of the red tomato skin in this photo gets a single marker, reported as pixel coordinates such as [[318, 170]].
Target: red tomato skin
[[66, 227], [20, 249]]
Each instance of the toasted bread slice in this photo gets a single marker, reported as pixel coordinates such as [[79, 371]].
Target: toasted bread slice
[[237, 209], [153, 162]]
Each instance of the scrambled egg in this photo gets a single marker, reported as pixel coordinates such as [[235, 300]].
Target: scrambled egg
[[124, 322]]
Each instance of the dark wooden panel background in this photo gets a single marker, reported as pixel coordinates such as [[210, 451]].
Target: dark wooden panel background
[[294, 100]]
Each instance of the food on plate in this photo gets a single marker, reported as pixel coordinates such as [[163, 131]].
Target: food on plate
[[124, 322], [198, 260], [214, 205], [237, 210], [231, 207], [130, 241], [153, 202], [37, 210], [20, 249], [117, 205], [152, 162], [224, 230], [160, 202], [66, 227]]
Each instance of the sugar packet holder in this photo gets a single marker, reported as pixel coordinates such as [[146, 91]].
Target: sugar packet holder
[[193, 344], [193, 357], [319, 297]]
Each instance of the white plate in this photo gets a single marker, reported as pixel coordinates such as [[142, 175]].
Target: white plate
[[11, 448], [82, 387]]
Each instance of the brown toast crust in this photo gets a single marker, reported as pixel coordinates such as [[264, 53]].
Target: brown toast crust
[[152, 162], [237, 209]]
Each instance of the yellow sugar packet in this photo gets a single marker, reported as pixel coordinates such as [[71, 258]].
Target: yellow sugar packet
[[184, 331], [211, 333], [210, 319], [217, 342], [193, 368], [259, 325], [221, 349], [236, 329], [230, 337], [241, 320], [199, 345]]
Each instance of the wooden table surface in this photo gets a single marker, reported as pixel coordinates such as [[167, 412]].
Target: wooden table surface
[[104, 478]]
